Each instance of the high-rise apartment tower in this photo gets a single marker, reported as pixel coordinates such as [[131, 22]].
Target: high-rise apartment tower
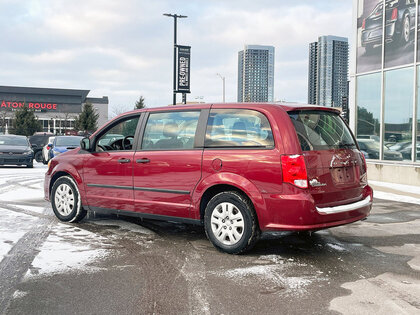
[[256, 74], [328, 71]]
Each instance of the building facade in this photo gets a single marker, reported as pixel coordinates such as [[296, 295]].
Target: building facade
[[385, 87], [256, 74], [328, 71], [56, 109]]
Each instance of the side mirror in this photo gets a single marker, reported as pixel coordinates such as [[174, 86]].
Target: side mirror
[[85, 144]]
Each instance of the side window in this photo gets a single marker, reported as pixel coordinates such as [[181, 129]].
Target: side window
[[170, 131], [118, 137], [238, 128]]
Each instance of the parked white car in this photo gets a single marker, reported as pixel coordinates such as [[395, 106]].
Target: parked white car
[[45, 149]]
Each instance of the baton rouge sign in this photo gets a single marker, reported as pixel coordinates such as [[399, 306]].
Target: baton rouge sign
[[183, 67], [31, 105]]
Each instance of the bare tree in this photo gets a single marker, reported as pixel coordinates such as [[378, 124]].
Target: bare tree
[[119, 110]]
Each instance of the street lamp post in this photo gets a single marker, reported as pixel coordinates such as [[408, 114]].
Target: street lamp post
[[175, 16], [223, 79]]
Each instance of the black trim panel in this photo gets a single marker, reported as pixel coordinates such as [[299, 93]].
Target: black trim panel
[[146, 215], [110, 186], [170, 191]]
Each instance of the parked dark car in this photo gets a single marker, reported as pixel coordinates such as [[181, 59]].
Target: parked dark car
[[62, 144], [406, 151], [38, 141], [237, 169], [371, 147], [400, 23], [16, 150]]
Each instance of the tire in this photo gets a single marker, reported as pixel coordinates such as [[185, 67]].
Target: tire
[[31, 165], [38, 156], [65, 200], [220, 229], [405, 30]]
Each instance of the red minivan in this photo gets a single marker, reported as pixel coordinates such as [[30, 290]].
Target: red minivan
[[237, 169]]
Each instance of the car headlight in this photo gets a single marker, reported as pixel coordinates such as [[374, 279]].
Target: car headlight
[[28, 152]]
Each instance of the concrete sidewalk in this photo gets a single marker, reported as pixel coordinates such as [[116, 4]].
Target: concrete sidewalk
[[396, 192]]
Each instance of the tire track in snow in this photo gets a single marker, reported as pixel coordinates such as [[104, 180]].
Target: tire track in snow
[[194, 272], [14, 266]]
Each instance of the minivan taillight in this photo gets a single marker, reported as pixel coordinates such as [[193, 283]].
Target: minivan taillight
[[294, 170]]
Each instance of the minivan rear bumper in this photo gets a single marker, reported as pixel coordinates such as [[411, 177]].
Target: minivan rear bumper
[[297, 212]]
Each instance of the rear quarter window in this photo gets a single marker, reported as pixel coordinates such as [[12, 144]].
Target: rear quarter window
[[230, 128]]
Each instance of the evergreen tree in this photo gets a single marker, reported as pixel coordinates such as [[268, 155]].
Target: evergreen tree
[[87, 120], [140, 103], [25, 122]]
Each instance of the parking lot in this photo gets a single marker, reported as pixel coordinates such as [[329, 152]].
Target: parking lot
[[109, 265]]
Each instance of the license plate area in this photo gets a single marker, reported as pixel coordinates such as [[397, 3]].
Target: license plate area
[[342, 175]]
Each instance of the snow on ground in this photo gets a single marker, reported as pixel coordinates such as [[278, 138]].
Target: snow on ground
[[25, 184], [273, 272], [12, 227], [68, 249]]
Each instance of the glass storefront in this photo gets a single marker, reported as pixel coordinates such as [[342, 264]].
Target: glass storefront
[[398, 114], [385, 73], [368, 114]]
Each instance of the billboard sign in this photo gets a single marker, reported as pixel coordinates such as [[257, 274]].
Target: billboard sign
[[369, 35], [394, 18], [183, 69]]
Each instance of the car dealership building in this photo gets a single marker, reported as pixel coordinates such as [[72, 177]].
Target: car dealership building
[[56, 109], [385, 88]]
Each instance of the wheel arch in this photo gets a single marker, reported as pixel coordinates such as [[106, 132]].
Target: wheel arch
[[220, 182], [73, 175]]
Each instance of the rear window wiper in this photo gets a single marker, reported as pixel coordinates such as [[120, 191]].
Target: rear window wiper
[[347, 145]]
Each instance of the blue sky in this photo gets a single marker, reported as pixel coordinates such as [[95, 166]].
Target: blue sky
[[123, 49]]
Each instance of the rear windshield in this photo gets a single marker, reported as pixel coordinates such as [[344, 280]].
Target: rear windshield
[[39, 140], [321, 130], [68, 141]]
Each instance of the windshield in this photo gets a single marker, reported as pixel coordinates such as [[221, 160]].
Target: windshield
[[68, 141], [14, 141], [321, 130]]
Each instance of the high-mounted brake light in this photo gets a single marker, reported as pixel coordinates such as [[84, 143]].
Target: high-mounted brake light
[[364, 24], [394, 15], [294, 170]]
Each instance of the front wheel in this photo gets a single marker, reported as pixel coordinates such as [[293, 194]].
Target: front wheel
[[230, 223], [65, 200], [38, 157]]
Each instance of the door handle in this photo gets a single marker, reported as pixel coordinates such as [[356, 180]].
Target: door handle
[[142, 161], [124, 161]]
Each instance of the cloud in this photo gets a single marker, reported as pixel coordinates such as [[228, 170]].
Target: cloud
[[123, 49]]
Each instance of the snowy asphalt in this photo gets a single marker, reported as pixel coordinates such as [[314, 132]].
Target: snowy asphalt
[[110, 265]]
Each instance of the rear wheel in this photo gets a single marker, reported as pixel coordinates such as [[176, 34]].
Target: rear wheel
[[405, 30], [231, 223], [65, 200]]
